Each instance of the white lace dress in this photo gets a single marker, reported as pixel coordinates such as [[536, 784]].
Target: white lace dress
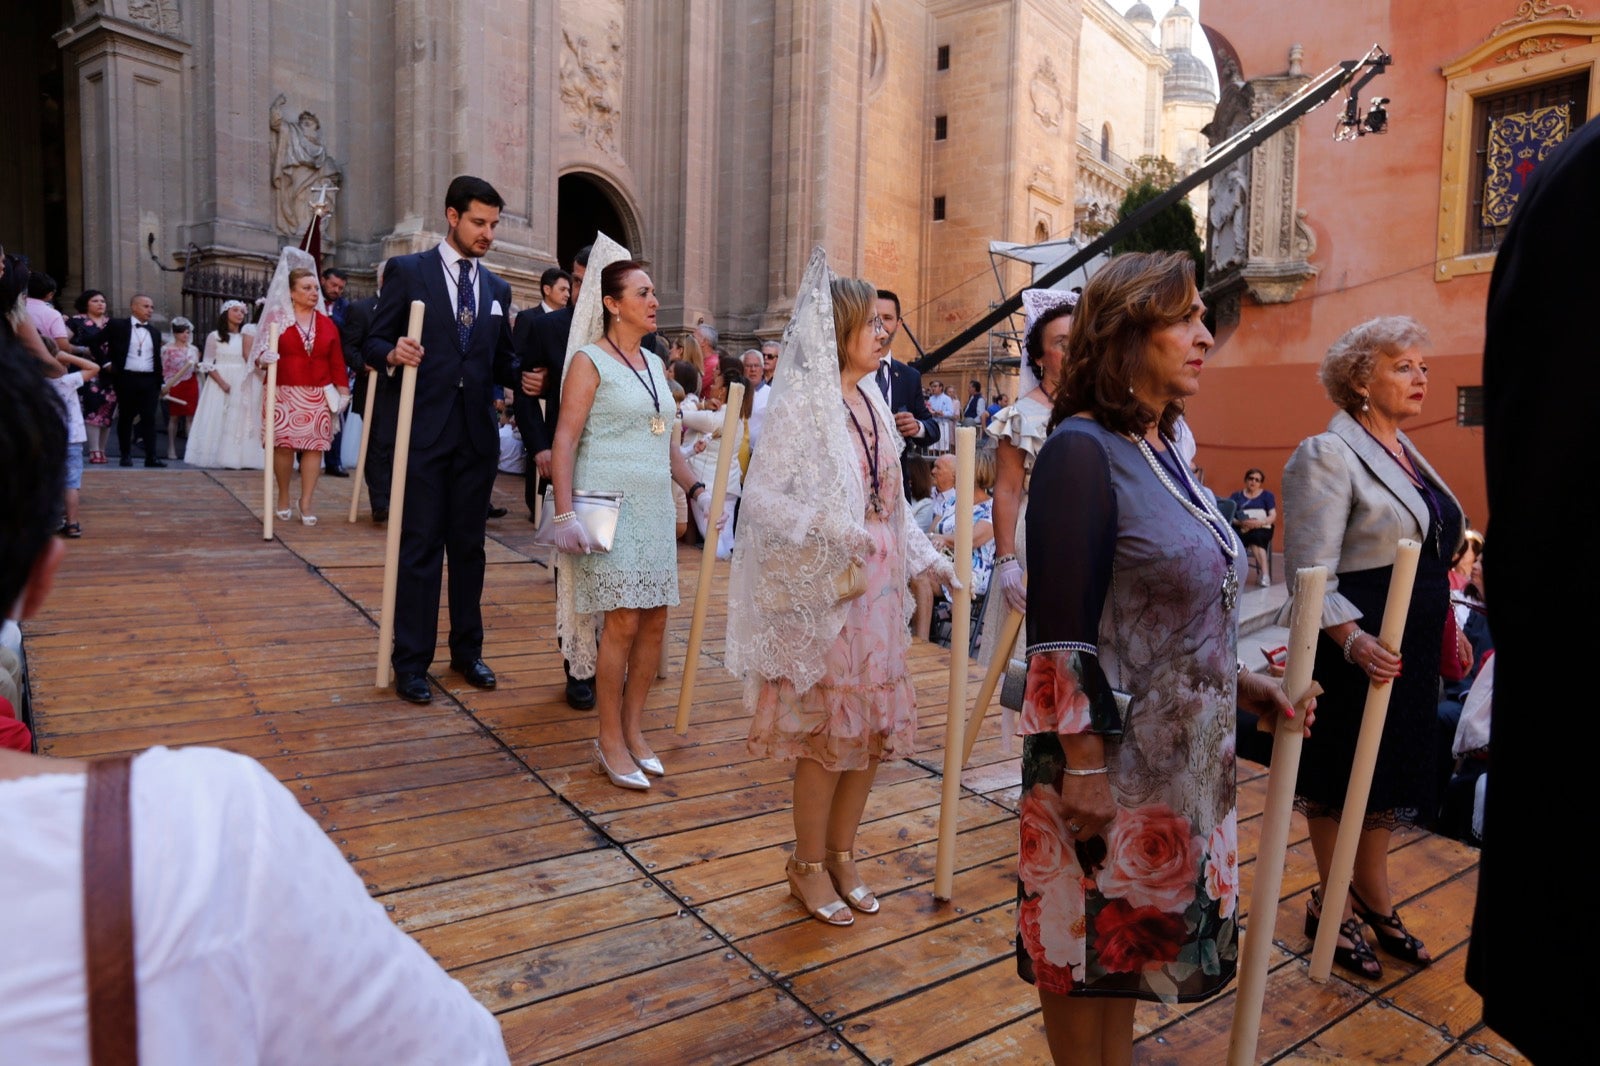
[[226, 433], [1022, 425]]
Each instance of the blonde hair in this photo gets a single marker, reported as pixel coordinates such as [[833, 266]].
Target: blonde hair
[[1348, 365], [854, 304], [300, 272], [983, 470]]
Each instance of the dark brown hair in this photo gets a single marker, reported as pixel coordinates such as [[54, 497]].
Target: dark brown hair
[[1127, 301], [611, 284]]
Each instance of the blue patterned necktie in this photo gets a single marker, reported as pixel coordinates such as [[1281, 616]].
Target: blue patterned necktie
[[883, 378], [464, 313]]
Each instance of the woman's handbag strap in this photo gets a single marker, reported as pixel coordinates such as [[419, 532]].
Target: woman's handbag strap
[[108, 916]]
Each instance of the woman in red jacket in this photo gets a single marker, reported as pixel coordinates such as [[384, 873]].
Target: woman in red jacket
[[311, 359]]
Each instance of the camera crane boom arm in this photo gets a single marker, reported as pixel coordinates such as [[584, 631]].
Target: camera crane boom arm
[[1313, 95]]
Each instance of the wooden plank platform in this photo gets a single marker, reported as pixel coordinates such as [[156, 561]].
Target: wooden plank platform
[[610, 926]]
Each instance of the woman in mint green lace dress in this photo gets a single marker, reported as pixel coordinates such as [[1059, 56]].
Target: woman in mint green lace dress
[[615, 435]]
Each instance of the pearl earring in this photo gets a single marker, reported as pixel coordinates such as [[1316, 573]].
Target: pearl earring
[[1365, 407]]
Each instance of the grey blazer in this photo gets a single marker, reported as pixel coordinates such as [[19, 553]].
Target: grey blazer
[[1346, 505]]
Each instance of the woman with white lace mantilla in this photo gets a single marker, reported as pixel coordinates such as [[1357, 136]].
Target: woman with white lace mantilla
[[1128, 862], [818, 603], [614, 436]]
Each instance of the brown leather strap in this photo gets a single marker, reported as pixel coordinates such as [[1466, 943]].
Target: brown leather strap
[[108, 916]]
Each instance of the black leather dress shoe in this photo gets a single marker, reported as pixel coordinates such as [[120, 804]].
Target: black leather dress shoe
[[155, 464], [335, 472], [126, 460], [380, 514], [580, 693], [413, 688], [476, 673], [498, 512]]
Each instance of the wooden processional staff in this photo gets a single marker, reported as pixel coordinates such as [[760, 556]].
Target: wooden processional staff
[[1305, 620], [366, 441], [708, 559], [268, 497], [1373, 716], [397, 500], [960, 636]]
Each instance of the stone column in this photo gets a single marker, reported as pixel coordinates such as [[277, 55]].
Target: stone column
[[425, 146], [125, 84]]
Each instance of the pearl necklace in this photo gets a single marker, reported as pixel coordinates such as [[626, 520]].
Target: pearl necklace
[[1206, 513]]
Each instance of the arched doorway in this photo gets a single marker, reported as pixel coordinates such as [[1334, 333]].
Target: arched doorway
[[586, 205], [33, 211]]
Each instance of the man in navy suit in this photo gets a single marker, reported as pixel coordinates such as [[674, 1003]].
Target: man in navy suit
[[135, 350], [901, 384], [455, 439]]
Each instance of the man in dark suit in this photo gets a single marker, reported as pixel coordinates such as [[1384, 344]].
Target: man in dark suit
[[334, 281], [135, 350], [379, 468], [555, 292], [900, 384], [973, 411], [541, 345], [455, 439], [1539, 341]]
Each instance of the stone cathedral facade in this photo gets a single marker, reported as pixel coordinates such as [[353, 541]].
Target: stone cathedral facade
[[719, 139]]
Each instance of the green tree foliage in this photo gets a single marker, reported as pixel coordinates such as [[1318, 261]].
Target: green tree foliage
[[1173, 230]]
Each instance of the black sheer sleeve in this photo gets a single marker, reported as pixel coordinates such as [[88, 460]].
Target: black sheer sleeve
[[1072, 539]]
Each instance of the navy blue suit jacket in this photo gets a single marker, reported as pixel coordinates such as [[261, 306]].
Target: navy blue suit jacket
[[905, 394], [488, 360]]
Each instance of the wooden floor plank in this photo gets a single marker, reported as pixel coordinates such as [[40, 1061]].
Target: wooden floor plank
[[612, 926]]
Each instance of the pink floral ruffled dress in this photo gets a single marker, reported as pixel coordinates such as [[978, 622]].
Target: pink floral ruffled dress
[[865, 706]]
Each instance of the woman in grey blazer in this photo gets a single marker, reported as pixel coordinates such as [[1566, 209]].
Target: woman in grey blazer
[[1349, 496]]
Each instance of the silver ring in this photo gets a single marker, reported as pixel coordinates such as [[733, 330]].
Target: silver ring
[[1074, 827]]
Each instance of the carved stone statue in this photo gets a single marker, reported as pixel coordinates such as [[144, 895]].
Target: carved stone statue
[[591, 81], [299, 163]]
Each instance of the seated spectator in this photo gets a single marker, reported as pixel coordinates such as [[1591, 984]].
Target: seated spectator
[[944, 539], [253, 938], [919, 490], [1001, 401]]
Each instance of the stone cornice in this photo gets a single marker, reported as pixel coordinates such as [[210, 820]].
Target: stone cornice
[[104, 34]]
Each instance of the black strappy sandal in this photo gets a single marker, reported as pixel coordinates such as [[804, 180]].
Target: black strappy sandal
[[1390, 932], [1358, 958]]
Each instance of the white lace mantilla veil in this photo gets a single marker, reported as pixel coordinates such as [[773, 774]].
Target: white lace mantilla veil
[[580, 633], [800, 516], [278, 307], [1036, 302]]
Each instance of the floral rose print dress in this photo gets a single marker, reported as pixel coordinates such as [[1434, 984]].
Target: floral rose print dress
[[1128, 600]]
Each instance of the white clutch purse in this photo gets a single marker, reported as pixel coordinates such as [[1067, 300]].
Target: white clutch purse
[[597, 511]]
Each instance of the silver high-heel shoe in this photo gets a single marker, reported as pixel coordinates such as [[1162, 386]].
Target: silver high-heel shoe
[[650, 765], [635, 780]]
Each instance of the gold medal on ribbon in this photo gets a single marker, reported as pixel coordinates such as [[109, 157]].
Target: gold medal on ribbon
[[658, 425]]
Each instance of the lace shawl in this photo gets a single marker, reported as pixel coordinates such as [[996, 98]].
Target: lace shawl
[[579, 634], [801, 519], [277, 307]]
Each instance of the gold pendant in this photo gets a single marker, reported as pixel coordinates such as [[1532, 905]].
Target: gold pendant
[[658, 425]]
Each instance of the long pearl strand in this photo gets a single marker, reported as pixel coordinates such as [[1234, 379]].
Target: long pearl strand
[[1207, 513]]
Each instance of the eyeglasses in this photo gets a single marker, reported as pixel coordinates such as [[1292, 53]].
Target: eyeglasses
[[877, 324], [1252, 477]]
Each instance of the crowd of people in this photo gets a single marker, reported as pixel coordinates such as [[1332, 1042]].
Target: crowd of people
[[839, 524]]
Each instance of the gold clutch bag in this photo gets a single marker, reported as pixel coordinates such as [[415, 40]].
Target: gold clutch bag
[[850, 583]]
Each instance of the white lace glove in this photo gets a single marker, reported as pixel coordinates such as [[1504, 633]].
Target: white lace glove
[[1008, 577], [570, 537], [944, 572], [701, 505], [266, 358]]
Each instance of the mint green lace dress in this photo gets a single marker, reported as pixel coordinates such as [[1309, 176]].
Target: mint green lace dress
[[618, 453]]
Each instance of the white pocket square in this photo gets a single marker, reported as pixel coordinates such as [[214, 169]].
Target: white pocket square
[[494, 308]]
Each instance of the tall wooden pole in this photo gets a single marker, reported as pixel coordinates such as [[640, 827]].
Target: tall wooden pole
[[366, 440], [708, 558], [991, 680], [270, 415], [1370, 738], [397, 501], [960, 635], [1305, 619]]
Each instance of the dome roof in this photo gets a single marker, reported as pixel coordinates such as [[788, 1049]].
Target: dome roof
[[1141, 12], [1187, 80]]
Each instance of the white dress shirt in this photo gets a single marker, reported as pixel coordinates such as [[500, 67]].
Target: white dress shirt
[[452, 275], [141, 353]]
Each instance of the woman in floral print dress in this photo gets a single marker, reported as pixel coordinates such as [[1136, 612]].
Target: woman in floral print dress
[[1128, 863]]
